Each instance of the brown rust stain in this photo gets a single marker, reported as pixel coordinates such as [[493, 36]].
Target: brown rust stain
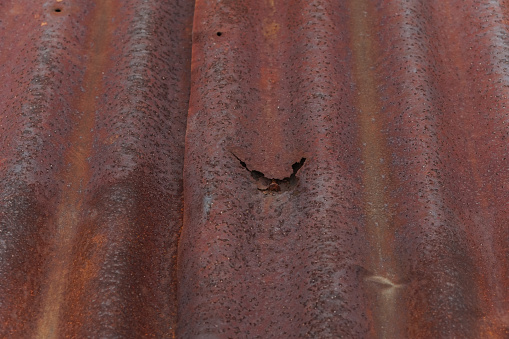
[[76, 177], [382, 281], [270, 77]]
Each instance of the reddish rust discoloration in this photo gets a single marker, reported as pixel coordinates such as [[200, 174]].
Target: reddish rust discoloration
[[92, 152], [76, 175], [366, 198], [274, 186], [379, 244]]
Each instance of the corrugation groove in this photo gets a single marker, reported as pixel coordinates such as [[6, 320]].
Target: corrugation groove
[[270, 169]]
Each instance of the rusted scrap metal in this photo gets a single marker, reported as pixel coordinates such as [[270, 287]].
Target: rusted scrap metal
[[239, 169]]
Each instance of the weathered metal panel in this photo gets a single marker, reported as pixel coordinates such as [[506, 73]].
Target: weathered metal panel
[[343, 171], [397, 224], [94, 105]]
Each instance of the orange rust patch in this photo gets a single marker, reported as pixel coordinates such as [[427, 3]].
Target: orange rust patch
[[77, 175]]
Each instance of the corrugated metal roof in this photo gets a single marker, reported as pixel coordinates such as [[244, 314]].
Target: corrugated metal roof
[[235, 169]]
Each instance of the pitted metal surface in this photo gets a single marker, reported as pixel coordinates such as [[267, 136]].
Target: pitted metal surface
[[270, 169]]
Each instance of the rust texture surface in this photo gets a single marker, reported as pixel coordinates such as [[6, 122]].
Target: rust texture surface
[[254, 169]]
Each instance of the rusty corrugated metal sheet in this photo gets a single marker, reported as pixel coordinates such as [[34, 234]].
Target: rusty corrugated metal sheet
[[94, 105], [343, 171]]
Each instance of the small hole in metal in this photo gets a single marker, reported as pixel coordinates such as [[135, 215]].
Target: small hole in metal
[[58, 10], [219, 33]]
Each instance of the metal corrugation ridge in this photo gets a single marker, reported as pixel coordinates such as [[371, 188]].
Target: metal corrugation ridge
[[234, 169]]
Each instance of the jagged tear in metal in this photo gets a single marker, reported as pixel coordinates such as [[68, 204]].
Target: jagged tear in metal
[[254, 169]]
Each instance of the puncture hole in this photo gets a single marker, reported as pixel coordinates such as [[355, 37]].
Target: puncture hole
[[275, 185], [58, 10], [219, 33], [298, 165]]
